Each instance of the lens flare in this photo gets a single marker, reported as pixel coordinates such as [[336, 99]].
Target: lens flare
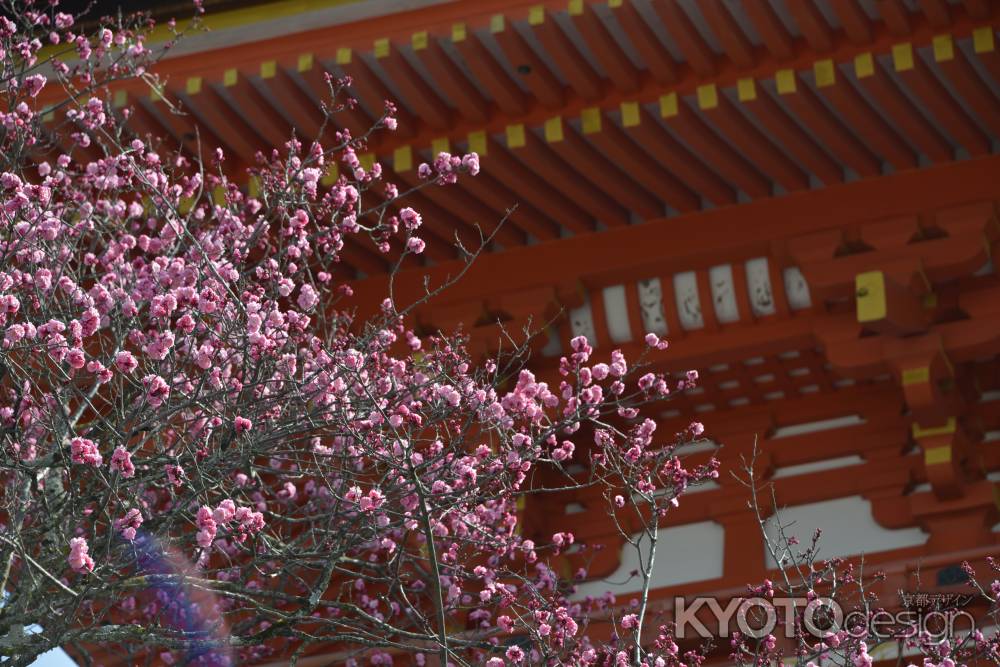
[[183, 607]]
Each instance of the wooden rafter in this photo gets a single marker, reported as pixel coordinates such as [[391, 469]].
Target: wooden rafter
[[619, 68], [900, 112], [744, 135], [937, 12], [715, 150], [729, 33], [531, 69], [469, 211], [678, 24], [197, 139], [896, 16], [579, 74], [371, 90], [949, 114], [602, 173], [144, 124], [826, 126], [532, 151], [867, 123], [304, 113], [447, 75], [504, 90], [488, 69], [812, 25], [776, 38], [501, 199], [659, 63], [416, 92], [314, 76], [616, 144], [677, 159], [856, 23], [212, 109], [506, 168], [969, 84], [793, 138], [255, 108]]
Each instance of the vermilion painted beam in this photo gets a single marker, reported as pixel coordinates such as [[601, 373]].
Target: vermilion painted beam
[[472, 17], [354, 119], [744, 135], [531, 69], [937, 12], [603, 173], [868, 124], [372, 92], [707, 347], [145, 125], [504, 91], [678, 160], [962, 341], [533, 152], [812, 25], [633, 252], [614, 143], [697, 53], [728, 32], [62, 128], [971, 88], [659, 63], [363, 259], [214, 111], [902, 114], [198, 139], [256, 110], [467, 209], [450, 79], [984, 44], [305, 114], [856, 23], [436, 19], [895, 15], [441, 221], [938, 100], [616, 64], [503, 166], [567, 58], [495, 195], [415, 91], [836, 137], [771, 30], [793, 138], [438, 230], [977, 9], [719, 154]]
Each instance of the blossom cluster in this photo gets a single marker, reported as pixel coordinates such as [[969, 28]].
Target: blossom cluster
[[189, 394]]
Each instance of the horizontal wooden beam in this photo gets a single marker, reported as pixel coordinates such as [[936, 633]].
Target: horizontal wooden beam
[[634, 252]]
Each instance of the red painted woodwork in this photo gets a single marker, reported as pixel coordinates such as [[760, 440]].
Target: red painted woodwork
[[837, 150]]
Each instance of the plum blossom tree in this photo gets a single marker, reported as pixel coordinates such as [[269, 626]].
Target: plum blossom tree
[[207, 458]]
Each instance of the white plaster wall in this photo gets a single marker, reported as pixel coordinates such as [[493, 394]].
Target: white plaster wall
[[616, 314], [848, 529], [692, 552]]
